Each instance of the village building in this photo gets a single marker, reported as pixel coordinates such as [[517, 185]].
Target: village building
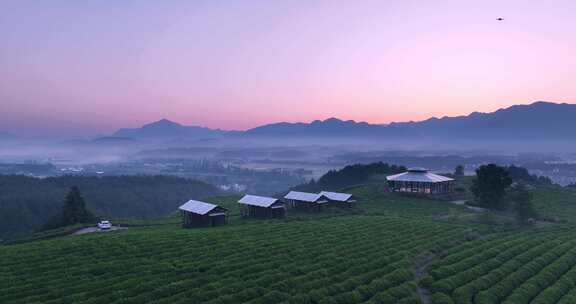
[[340, 199], [200, 214], [261, 207], [420, 180], [305, 201]]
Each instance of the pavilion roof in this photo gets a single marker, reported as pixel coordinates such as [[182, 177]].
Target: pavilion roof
[[418, 175]]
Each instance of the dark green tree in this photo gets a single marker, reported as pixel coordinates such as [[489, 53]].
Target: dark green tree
[[73, 212], [489, 186], [522, 175], [521, 199], [459, 171]]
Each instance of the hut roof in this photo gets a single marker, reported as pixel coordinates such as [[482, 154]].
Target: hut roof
[[336, 196], [197, 207], [260, 201], [304, 196], [418, 175]]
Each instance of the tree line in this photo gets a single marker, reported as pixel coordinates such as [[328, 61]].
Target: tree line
[[27, 203], [350, 175]]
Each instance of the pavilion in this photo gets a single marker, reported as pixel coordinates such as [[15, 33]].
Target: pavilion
[[420, 180]]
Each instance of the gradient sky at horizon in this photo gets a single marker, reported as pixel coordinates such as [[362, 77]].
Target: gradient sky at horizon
[[90, 67]]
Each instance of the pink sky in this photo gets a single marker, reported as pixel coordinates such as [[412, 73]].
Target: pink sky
[[88, 67]]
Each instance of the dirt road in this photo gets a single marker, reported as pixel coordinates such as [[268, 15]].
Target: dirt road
[[96, 229]]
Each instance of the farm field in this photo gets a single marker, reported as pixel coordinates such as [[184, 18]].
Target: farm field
[[390, 249]]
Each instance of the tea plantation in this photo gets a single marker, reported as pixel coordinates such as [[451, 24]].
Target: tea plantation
[[373, 254]]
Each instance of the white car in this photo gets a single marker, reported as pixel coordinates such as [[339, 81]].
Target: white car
[[104, 225]]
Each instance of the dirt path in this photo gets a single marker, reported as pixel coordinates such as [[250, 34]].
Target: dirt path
[[471, 208], [96, 229], [420, 271]]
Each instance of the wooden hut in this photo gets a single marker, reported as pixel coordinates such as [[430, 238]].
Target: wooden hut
[[200, 214], [305, 201], [420, 180], [340, 199], [261, 207]]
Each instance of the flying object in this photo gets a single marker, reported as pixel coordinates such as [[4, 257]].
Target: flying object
[[500, 19]]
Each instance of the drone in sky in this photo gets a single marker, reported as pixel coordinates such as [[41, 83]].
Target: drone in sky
[[500, 19]]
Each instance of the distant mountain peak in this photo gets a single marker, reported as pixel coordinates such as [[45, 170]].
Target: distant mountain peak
[[547, 103], [165, 128], [333, 120], [162, 123]]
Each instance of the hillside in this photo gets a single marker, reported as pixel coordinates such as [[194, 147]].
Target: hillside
[[391, 249], [27, 203], [366, 255]]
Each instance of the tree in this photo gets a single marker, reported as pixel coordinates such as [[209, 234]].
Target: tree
[[522, 202], [489, 186], [521, 174], [459, 171], [73, 212]]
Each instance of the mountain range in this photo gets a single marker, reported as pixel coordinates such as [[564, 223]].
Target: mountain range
[[542, 120]]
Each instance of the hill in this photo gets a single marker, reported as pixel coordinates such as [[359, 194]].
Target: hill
[[363, 256], [392, 249], [165, 128], [26, 203]]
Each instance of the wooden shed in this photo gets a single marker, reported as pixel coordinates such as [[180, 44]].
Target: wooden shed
[[261, 207], [305, 201], [340, 199], [200, 214]]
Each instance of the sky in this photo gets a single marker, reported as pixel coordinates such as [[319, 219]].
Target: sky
[[89, 67]]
